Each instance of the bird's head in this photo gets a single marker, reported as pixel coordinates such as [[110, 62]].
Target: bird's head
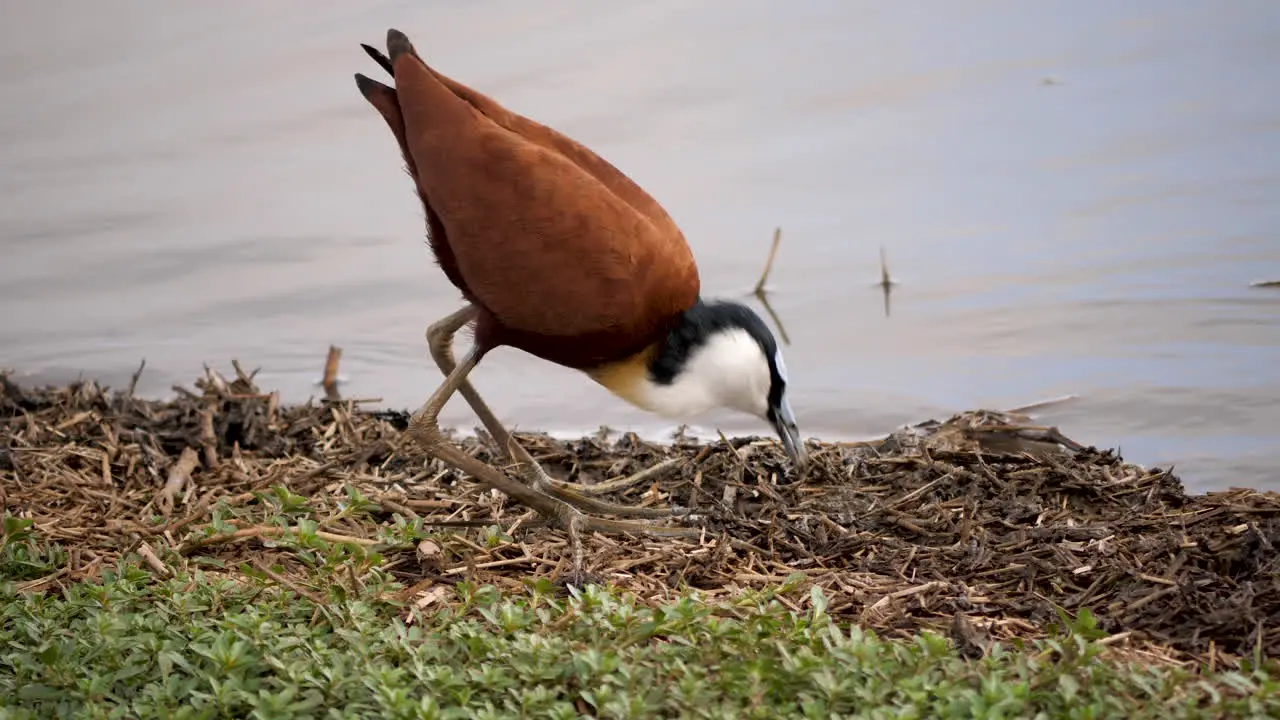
[[720, 355]]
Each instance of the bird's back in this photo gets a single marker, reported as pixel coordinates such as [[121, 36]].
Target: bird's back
[[569, 258]]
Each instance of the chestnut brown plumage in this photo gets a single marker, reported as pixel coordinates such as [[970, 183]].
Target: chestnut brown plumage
[[560, 254]]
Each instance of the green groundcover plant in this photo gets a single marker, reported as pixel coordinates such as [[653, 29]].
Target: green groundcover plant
[[210, 642]]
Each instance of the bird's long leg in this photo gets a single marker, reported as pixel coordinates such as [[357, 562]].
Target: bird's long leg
[[424, 428], [440, 342]]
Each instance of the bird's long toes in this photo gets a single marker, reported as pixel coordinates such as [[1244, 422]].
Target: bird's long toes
[[569, 493]]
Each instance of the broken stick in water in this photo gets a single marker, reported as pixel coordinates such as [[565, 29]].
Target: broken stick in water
[[886, 281], [330, 381], [762, 293], [768, 265]]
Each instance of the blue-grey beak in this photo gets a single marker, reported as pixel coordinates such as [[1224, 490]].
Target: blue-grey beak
[[784, 422]]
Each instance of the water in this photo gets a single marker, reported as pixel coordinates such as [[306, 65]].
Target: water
[[1073, 195]]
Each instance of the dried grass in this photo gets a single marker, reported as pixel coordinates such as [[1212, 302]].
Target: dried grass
[[979, 526]]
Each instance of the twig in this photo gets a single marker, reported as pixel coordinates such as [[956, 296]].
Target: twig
[[1265, 284], [261, 531], [330, 381], [133, 382], [201, 506], [179, 476], [917, 492], [153, 560], [1118, 637], [886, 281], [216, 381], [394, 507], [282, 580], [208, 439], [907, 592], [492, 564], [241, 375], [1147, 600], [762, 293], [768, 266], [33, 584], [742, 462]]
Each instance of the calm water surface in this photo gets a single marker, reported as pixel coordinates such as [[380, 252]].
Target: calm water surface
[[1074, 196]]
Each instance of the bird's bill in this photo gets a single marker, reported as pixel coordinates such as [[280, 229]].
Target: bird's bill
[[784, 422]]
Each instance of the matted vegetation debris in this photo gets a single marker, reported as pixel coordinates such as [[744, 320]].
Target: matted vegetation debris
[[982, 526]]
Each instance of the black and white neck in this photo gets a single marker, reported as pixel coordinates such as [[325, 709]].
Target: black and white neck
[[720, 354]]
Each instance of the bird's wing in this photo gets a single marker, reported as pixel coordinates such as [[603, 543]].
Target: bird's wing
[[549, 237]]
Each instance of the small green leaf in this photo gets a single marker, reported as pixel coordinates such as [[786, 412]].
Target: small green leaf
[[1069, 687]]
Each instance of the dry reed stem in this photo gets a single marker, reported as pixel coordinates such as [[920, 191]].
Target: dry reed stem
[[759, 290]]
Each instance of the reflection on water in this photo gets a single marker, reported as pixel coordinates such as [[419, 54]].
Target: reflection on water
[[191, 183]]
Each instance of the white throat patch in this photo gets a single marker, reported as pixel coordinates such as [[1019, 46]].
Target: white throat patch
[[728, 370]]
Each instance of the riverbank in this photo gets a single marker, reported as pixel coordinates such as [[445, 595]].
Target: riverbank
[[984, 530]]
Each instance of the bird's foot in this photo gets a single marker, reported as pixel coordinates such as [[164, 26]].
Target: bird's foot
[[651, 473], [586, 497], [577, 511], [575, 522]]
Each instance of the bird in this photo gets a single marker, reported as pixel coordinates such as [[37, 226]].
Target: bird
[[559, 254]]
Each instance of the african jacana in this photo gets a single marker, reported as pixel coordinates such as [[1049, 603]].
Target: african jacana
[[561, 255]]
